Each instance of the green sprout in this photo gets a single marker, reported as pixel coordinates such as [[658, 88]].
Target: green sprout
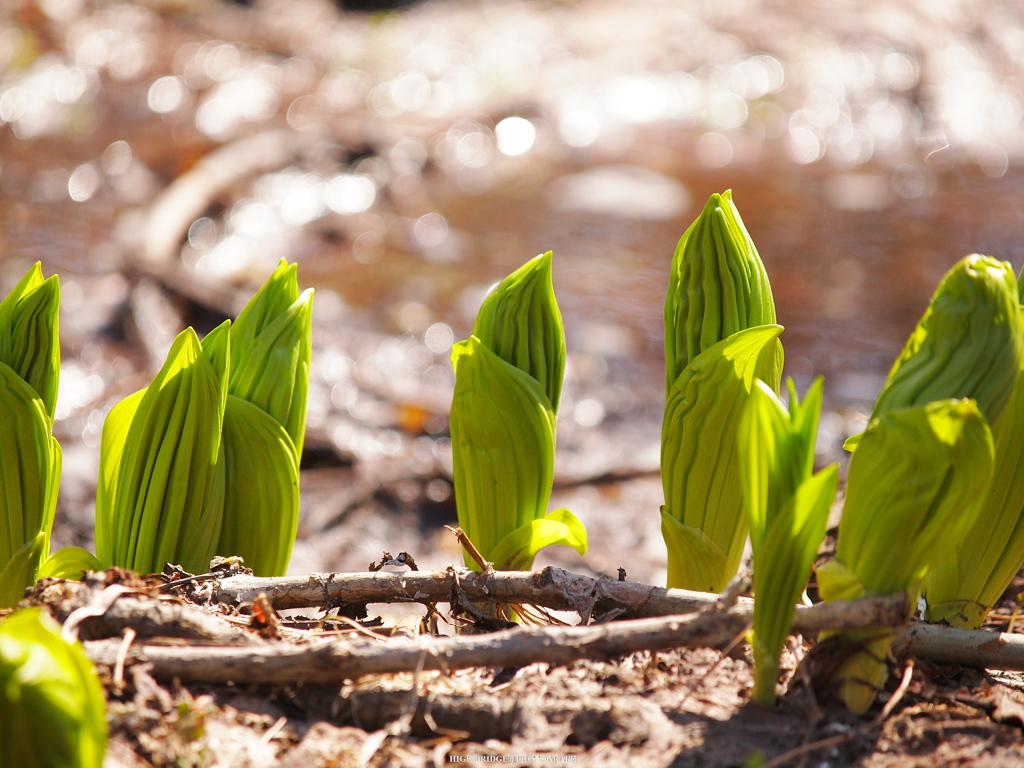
[[717, 286], [160, 497], [788, 508], [720, 335], [31, 463], [206, 459], [967, 343], [265, 423], [52, 707], [508, 378], [962, 590], [915, 487]]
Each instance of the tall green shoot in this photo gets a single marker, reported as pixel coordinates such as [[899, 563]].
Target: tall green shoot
[[508, 380], [720, 335]]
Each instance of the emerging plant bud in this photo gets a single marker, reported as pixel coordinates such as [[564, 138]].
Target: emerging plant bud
[[503, 422], [717, 286], [271, 345], [52, 708], [28, 334], [519, 321], [967, 343], [719, 336]]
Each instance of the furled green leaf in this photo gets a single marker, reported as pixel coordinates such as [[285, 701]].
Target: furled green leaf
[[30, 462], [52, 707], [158, 467], [516, 551], [22, 570], [967, 343], [788, 510], [915, 487], [261, 506], [717, 286], [699, 462], [28, 334], [271, 345], [519, 321], [962, 590], [69, 563], [502, 428]]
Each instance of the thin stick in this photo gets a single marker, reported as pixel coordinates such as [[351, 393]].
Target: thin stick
[[122, 654], [470, 547], [890, 705]]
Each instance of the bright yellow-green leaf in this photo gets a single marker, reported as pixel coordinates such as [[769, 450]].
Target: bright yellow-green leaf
[[52, 707], [261, 506], [788, 509], [699, 461], [914, 488], [516, 551], [112, 441], [963, 589], [837, 582], [918, 478]]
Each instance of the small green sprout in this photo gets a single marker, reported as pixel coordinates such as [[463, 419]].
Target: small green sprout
[[30, 457], [508, 378], [720, 335], [52, 707], [788, 508], [915, 487]]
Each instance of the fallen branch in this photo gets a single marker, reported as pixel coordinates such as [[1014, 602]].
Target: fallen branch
[[552, 588], [970, 648], [336, 660], [95, 612]]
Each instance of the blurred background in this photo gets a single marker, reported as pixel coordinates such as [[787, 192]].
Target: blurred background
[[163, 155]]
